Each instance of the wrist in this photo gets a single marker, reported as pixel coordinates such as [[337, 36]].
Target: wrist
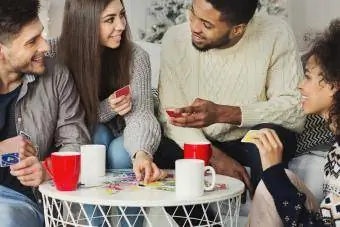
[[269, 164], [141, 154], [229, 114], [216, 154]]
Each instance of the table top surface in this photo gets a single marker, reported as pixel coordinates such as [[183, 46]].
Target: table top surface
[[118, 188]]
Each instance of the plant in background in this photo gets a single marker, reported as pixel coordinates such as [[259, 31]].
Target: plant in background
[[274, 7], [166, 13]]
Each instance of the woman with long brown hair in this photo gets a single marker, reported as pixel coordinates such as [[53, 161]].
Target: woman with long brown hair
[[95, 45]]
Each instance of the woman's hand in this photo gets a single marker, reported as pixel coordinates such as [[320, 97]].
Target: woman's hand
[[145, 169], [121, 105], [270, 147]]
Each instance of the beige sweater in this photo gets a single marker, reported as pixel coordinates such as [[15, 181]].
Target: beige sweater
[[260, 74]]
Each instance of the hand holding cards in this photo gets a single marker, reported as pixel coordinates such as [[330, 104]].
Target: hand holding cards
[[121, 101], [122, 91], [251, 134], [172, 113], [9, 159], [268, 144]]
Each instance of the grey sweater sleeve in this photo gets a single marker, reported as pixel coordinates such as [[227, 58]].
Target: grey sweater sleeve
[[142, 132], [105, 112]]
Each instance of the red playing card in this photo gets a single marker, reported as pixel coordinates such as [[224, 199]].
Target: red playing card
[[172, 113], [122, 91]]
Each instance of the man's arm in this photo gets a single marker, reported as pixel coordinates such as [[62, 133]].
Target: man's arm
[[282, 105], [71, 131], [283, 77], [202, 113]]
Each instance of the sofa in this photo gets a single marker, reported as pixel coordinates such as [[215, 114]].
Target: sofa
[[307, 166]]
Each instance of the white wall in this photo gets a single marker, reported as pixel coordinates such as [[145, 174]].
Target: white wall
[[304, 15], [56, 17], [136, 11], [311, 15]]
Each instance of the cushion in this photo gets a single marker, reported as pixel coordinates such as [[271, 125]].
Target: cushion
[[309, 168], [315, 133]]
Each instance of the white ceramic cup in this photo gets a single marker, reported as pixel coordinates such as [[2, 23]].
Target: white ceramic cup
[[189, 177], [93, 163]]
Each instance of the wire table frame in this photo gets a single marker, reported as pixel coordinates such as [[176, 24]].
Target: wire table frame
[[154, 207]]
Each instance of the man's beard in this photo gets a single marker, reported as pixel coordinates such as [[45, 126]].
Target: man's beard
[[220, 43]]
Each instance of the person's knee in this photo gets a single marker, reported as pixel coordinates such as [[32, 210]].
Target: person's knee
[[102, 135], [13, 215], [118, 157]]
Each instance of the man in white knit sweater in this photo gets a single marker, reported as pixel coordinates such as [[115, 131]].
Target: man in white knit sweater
[[230, 70]]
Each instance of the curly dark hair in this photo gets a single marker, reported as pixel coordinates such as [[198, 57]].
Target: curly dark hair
[[235, 11], [326, 50], [14, 14]]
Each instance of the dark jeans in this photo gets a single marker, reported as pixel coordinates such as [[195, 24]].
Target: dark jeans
[[246, 154]]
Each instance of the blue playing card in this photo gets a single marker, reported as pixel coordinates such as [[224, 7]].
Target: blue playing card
[[9, 159]]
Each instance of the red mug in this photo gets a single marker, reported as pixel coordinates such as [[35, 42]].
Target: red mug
[[198, 150], [65, 169]]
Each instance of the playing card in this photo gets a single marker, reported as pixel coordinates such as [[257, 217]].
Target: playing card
[[25, 135], [122, 91], [28, 137], [249, 136], [172, 113], [9, 159]]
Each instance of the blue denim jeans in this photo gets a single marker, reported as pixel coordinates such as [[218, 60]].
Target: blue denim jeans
[[18, 210], [116, 158]]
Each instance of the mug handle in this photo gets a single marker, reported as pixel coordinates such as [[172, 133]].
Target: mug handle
[[213, 181], [45, 164]]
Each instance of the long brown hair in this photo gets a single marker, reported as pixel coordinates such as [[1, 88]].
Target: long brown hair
[[97, 70]]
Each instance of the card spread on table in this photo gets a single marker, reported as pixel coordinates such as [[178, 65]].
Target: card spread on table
[[249, 136], [167, 184], [123, 91], [9, 159]]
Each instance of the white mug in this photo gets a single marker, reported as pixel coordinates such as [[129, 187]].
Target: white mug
[[189, 177], [93, 163]]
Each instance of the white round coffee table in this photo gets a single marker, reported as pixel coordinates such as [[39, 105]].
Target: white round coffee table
[[67, 208]]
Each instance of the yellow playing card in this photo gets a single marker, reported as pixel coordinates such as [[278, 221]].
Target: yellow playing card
[[249, 136]]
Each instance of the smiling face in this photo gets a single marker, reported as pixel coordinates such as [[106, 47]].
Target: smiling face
[[112, 24], [208, 30], [25, 52], [317, 95]]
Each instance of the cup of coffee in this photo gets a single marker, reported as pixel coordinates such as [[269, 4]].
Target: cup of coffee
[[64, 169], [198, 150], [93, 163], [189, 178]]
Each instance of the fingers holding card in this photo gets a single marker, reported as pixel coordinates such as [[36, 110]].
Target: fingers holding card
[[172, 113], [250, 135], [123, 91]]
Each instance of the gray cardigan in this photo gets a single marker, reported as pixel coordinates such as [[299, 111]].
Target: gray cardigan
[[142, 131]]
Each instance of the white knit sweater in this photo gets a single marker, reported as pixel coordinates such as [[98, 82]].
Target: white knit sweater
[[260, 74]]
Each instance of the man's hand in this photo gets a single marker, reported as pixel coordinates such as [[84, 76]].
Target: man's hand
[[144, 166], [225, 165], [270, 147], [18, 144], [121, 105], [199, 114], [29, 172]]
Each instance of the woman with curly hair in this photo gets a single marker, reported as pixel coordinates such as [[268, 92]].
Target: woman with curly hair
[[281, 199]]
